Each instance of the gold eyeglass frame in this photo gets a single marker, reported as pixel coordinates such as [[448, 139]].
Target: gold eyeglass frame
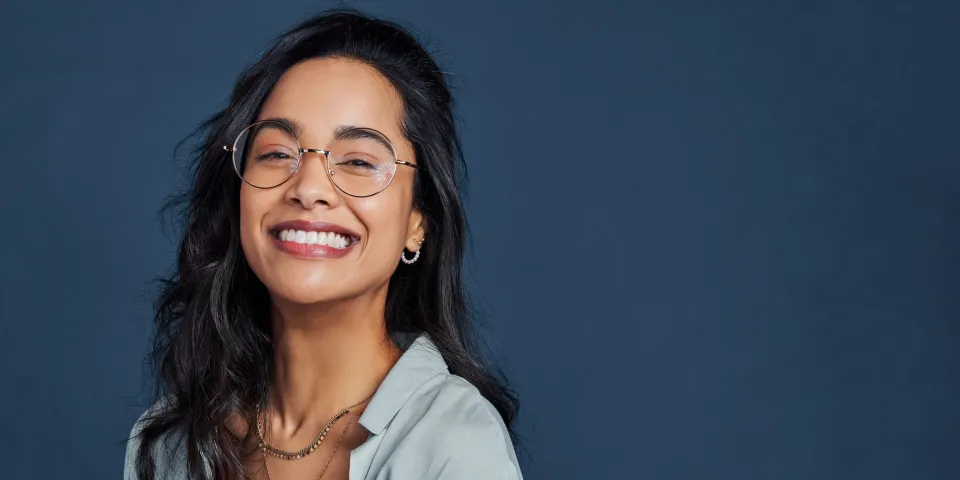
[[325, 153]]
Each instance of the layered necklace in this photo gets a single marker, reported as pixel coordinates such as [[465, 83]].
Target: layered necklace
[[303, 452]]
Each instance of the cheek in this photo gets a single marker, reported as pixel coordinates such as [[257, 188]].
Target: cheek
[[385, 222], [385, 218]]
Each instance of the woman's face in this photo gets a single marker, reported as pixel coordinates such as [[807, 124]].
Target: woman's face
[[322, 95]]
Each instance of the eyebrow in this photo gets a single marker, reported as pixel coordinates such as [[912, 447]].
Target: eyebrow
[[355, 132], [350, 132], [294, 126]]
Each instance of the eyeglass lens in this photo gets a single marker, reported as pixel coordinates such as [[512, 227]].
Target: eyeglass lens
[[362, 162]]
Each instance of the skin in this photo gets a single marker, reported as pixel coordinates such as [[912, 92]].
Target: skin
[[332, 347]]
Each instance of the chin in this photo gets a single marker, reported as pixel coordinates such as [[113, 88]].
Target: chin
[[306, 293], [302, 298]]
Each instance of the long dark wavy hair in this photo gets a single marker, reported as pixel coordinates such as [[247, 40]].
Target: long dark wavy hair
[[213, 352]]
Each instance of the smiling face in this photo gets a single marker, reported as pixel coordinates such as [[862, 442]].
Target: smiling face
[[287, 232]]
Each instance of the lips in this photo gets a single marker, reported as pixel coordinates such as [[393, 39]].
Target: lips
[[307, 239], [307, 226]]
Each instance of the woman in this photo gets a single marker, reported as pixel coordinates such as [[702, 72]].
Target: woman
[[317, 324]]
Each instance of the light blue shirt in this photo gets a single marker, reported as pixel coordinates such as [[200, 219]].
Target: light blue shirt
[[424, 422]]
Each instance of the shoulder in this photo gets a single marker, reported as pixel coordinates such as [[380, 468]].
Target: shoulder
[[454, 404], [452, 431], [167, 451], [133, 443]]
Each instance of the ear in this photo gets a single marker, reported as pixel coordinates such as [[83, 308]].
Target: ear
[[416, 231]]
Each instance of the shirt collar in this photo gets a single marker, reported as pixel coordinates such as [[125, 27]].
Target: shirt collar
[[420, 362]]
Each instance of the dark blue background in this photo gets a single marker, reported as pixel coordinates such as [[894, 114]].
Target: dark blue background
[[712, 239]]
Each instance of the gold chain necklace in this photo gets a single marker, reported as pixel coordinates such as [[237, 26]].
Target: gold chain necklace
[[335, 448], [303, 452]]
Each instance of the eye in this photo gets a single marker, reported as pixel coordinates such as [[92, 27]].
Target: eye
[[357, 162], [274, 155]]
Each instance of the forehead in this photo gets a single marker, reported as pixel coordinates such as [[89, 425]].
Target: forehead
[[326, 94]]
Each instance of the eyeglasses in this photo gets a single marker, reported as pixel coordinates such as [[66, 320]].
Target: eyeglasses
[[361, 162]]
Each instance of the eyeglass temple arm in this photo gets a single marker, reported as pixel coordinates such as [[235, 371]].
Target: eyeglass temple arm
[[414, 165]]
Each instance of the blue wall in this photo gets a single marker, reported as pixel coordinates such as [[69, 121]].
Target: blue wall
[[713, 239]]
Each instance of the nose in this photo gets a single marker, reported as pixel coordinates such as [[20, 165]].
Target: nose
[[311, 186]]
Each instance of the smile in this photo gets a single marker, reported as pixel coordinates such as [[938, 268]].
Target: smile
[[313, 239], [330, 239]]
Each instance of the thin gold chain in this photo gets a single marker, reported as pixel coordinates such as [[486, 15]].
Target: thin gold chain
[[303, 452], [267, 448], [336, 447]]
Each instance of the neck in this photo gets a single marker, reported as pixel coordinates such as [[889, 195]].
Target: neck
[[326, 357]]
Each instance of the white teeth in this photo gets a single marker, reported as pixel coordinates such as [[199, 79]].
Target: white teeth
[[331, 239]]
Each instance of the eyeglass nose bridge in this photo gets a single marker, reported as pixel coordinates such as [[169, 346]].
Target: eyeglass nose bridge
[[315, 150], [325, 153]]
